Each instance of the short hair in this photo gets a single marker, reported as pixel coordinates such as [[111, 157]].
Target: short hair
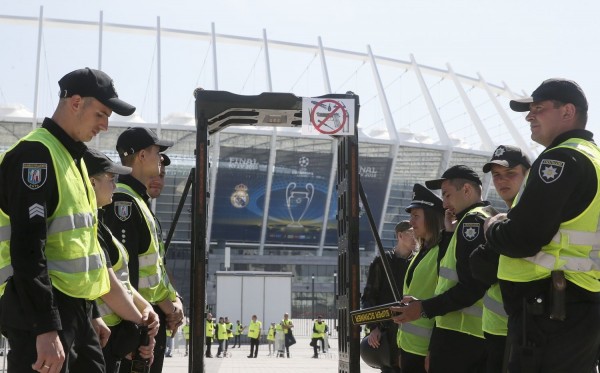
[[403, 226], [459, 183]]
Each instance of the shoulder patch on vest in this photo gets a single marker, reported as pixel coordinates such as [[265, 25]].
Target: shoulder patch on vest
[[123, 210], [34, 175], [470, 231], [550, 170]]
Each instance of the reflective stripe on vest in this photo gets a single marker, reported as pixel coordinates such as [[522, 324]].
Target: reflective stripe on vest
[[466, 320], [153, 282], [75, 261], [574, 249], [121, 270], [413, 337], [494, 319]]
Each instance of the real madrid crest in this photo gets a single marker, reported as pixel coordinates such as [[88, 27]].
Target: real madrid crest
[[240, 198], [34, 175], [122, 210]]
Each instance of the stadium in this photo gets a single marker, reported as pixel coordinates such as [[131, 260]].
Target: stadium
[[273, 200]]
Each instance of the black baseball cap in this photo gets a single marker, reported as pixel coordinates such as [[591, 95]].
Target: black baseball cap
[[94, 83], [563, 90], [425, 198], [134, 139], [507, 156], [455, 172], [97, 162], [165, 159]]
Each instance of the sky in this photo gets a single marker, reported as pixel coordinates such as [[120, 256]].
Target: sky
[[517, 42]]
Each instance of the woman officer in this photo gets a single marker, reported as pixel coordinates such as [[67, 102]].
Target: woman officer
[[427, 220]]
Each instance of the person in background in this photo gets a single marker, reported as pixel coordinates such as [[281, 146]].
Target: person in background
[[254, 330], [427, 221], [229, 325], [287, 325], [237, 334], [186, 335], [271, 338], [123, 309], [170, 343], [319, 331], [209, 332], [221, 331], [509, 168], [457, 339], [378, 291], [548, 242], [48, 206]]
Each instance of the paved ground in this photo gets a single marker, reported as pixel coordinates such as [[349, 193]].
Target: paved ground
[[301, 361]]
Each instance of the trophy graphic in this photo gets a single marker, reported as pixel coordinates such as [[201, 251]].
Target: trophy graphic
[[297, 202]]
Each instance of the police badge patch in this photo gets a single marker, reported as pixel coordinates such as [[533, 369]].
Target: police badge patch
[[550, 170], [34, 175], [122, 210], [470, 231]]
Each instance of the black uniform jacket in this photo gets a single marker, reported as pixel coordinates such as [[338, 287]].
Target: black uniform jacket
[[378, 290], [561, 184], [468, 290], [129, 226], [28, 302]]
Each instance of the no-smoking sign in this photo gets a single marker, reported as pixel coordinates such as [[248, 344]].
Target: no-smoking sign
[[327, 116]]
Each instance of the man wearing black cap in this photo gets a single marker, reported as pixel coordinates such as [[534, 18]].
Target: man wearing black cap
[[378, 291], [55, 266], [549, 269], [457, 341], [509, 168], [134, 224]]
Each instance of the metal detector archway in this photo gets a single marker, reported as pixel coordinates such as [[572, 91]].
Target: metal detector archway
[[216, 110]]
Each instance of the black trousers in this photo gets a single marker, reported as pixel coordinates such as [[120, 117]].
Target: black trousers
[[462, 352], [411, 363], [495, 346], [253, 347], [208, 353], [552, 346], [78, 337]]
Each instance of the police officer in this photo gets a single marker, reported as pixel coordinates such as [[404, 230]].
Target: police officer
[[134, 224], [509, 168], [549, 268], [427, 221], [49, 245], [378, 291], [287, 325], [123, 309], [457, 340]]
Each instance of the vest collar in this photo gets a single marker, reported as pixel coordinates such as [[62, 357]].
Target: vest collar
[[75, 148], [136, 185], [577, 133]]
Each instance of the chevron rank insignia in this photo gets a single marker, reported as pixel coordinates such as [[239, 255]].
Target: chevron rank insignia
[[34, 175], [123, 210], [36, 210]]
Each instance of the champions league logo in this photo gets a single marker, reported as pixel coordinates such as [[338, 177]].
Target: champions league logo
[[240, 198], [297, 202]]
